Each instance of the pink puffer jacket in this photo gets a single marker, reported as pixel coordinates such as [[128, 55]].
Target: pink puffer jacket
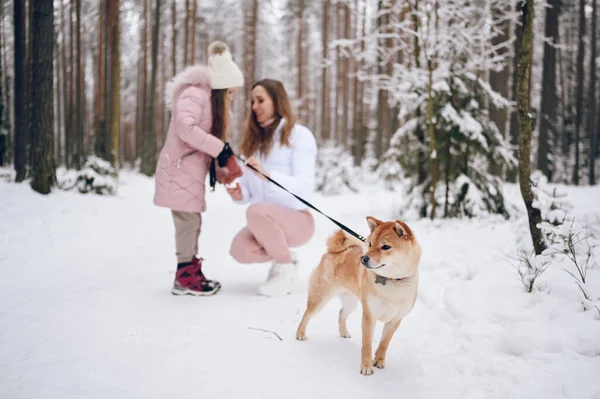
[[185, 158]]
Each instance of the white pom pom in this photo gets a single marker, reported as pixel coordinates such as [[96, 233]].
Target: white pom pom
[[216, 48]]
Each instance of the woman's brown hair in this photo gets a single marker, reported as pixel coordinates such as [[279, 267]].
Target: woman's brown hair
[[257, 138], [220, 113]]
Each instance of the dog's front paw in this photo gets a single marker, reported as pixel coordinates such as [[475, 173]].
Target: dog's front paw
[[345, 334], [379, 362], [366, 369], [301, 336]]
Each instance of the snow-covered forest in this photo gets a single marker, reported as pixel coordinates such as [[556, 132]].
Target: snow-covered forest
[[386, 83]]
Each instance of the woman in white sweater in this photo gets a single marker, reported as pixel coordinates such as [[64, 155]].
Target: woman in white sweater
[[276, 145]]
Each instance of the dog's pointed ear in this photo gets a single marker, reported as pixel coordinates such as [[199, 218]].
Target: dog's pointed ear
[[373, 223], [401, 229]]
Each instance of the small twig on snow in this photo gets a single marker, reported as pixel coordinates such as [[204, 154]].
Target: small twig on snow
[[260, 329]]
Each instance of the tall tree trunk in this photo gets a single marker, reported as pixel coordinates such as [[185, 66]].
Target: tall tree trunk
[[141, 131], [193, 31], [345, 79], [525, 125], [421, 158], [163, 60], [249, 56], [549, 98], [28, 80], [579, 101], [100, 117], [174, 37], [3, 122], [151, 142], [250, 36], [403, 40], [325, 108], [384, 68], [65, 87], [107, 145], [431, 123], [432, 144], [57, 98], [514, 126], [186, 34], [356, 64], [338, 75], [383, 114], [567, 88], [78, 106], [592, 100], [300, 65], [21, 122], [115, 79], [499, 81], [71, 121], [359, 134], [43, 166], [9, 122]]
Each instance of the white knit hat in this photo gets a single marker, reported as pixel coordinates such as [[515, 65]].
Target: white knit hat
[[224, 73]]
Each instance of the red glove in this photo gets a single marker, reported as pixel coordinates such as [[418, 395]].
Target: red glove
[[222, 175], [233, 170], [226, 160]]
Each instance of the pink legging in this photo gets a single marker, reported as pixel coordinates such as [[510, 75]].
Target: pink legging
[[271, 231]]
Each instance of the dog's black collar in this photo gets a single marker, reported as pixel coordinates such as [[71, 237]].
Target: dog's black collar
[[383, 280]]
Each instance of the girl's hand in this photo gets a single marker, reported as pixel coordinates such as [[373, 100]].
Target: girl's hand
[[257, 165], [235, 192]]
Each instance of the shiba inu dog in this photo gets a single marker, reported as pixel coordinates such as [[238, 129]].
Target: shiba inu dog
[[381, 273]]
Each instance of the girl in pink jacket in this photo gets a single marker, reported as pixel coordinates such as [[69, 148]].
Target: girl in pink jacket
[[199, 98]]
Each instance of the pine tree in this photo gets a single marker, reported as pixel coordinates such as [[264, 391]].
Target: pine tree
[[445, 103]]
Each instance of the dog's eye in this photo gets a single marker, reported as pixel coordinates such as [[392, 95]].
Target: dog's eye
[[386, 247], [369, 245]]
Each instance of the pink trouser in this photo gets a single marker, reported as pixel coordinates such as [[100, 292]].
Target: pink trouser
[[271, 231]]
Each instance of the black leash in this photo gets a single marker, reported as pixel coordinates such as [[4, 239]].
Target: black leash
[[341, 226]]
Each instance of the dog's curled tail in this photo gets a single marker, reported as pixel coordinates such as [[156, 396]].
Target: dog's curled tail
[[340, 241]]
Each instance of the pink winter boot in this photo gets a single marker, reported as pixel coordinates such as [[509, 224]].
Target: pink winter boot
[[189, 280]]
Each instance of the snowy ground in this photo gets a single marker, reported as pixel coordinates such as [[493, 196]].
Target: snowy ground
[[86, 312]]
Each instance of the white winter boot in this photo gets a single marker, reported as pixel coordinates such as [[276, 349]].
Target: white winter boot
[[282, 280]]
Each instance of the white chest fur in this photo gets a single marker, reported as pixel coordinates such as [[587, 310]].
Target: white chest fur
[[392, 302]]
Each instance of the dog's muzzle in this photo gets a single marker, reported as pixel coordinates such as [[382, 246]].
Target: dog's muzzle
[[365, 262]]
